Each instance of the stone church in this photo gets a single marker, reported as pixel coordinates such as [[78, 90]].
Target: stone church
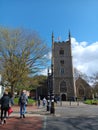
[[63, 80], [83, 89]]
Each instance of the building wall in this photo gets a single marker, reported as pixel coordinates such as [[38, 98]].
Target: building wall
[[83, 89]]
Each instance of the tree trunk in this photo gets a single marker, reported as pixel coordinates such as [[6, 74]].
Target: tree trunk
[[12, 90]]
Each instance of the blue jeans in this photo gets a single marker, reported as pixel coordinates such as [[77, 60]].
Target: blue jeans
[[22, 109]]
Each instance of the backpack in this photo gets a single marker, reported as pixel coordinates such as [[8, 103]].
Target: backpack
[[23, 99]]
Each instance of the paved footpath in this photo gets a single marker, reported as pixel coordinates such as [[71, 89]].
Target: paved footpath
[[32, 121], [67, 117]]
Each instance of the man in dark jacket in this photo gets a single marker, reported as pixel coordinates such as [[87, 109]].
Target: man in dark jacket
[[4, 107]]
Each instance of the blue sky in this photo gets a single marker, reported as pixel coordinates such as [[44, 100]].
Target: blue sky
[[59, 16], [45, 16]]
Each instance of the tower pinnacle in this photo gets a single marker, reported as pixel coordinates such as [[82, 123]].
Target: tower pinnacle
[[52, 37], [69, 37]]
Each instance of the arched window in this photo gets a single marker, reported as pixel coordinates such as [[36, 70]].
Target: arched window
[[61, 52], [62, 71], [81, 91], [62, 62]]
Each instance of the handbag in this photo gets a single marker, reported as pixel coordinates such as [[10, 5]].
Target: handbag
[[10, 110]]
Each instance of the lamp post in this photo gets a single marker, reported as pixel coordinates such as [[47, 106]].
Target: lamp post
[[52, 110], [48, 97], [50, 100]]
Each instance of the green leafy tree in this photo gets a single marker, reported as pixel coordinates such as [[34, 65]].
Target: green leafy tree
[[38, 81], [39, 84]]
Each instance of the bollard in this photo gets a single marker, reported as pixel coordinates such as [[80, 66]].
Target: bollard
[[77, 103], [48, 107], [52, 110], [70, 103]]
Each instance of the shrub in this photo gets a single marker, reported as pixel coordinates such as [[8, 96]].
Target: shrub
[[91, 102], [30, 101]]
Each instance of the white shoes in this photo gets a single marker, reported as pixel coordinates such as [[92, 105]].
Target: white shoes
[[3, 121]]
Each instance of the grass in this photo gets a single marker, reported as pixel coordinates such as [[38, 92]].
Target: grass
[[30, 101], [91, 102]]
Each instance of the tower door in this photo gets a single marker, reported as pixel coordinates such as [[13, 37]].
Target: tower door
[[63, 97]]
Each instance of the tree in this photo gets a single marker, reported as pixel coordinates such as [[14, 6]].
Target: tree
[[22, 54], [39, 83], [78, 74]]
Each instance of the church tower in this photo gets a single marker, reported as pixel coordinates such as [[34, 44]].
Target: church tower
[[63, 80]]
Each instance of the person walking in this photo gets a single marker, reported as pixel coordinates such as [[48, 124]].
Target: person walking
[[22, 102], [44, 101], [11, 103], [4, 107], [38, 101], [25, 92]]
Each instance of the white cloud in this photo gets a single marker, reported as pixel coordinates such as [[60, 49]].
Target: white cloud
[[85, 56], [48, 55], [44, 72]]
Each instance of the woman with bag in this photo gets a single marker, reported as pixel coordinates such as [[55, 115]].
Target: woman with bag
[[11, 103], [4, 107]]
